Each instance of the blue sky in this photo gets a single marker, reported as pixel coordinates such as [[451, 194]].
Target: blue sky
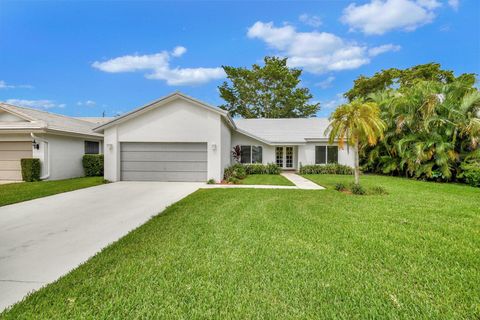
[[83, 58]]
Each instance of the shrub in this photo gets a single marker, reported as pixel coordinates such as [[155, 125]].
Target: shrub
[[211, 181], [339, 186], [259, 168], [93, 165], [357, 189], [331, 168], [470, 173], [30, 169], [233, 180], [378, 190], [237, 171]]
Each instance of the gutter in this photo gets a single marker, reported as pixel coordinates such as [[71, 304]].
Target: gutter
[[47, 175]]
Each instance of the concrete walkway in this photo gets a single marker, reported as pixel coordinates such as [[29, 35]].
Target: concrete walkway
[[301, 182], [43, 239]]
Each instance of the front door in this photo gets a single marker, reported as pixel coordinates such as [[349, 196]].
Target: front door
[[284, 157]]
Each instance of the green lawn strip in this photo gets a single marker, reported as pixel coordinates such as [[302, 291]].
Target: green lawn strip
[[18, 192], [244, 253], [266, 179]]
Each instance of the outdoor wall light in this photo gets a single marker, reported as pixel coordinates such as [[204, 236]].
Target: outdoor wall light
[[35, 145], [214, 146], [110, 146]]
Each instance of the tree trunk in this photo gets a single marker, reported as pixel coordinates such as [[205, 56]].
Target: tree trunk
[[357, 164]]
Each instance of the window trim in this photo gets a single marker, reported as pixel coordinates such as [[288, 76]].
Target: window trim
[[91, 141], [251, 153], [326, 153]]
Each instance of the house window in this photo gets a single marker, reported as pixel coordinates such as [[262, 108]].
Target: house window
[[92, 147], [326, 154], [251, 154]]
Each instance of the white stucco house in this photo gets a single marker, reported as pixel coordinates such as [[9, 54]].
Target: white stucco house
[[58, 141], [178, 138]]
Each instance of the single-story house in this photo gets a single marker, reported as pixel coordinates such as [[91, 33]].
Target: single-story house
[[58, 141], [178, 138]]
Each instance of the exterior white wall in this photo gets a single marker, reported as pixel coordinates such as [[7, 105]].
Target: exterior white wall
[[225, 145], [306, 154], [176, 121], [8, 117], [240, 139]]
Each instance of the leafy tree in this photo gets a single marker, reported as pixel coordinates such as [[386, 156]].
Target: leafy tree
[[269, 91], [358, 123], [399, 79]]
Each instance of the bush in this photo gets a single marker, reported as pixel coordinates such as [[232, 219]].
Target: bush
[[378, 190], [30, 169], [236, 171], [259, 168], [470, 173], [357, 189], [93, 165], [339, 186], [233, 180], [211, 181], [331, 168]]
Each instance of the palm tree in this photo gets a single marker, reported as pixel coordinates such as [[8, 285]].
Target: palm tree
[[357, 123]]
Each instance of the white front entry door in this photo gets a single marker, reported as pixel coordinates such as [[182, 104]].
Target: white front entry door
[[284, 157]]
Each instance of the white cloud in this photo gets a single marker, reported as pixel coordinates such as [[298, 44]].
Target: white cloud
[[316, 52], [309, 20], [158, 67], [454, 4], [4, 85], [375, 51], [381, 16], [87, 103], [327, 83], [37, 104], [335, 102]]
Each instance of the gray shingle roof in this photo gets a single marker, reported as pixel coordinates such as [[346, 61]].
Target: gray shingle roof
[[47, 120], [294, 130]]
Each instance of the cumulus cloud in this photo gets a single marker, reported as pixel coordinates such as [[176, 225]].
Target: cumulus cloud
[[454, 4], [375, 51], [158, 67], [87, 103], [338, 100], [5, 85], [309, 20], [37, 104], [316, 52], [380, 16], [327, 83]]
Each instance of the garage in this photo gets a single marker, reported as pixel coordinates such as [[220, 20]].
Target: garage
[[10, 154], [163, 161]]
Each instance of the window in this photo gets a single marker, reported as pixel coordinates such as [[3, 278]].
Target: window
[[251, 154], [326, 154], [92, 147], [279, 156]]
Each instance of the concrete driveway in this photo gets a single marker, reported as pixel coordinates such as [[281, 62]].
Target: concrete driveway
[[43, 239]]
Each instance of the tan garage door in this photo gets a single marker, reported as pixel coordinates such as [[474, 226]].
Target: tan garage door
[[10, 154]]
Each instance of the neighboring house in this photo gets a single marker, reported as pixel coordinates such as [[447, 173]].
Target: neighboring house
[[178, 138], [58, 141]]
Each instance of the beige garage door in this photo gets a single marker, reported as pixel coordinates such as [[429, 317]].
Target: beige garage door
[[156, 161], [10, 154]]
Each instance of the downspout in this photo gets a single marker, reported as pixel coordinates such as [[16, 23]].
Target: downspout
[[34, 137]]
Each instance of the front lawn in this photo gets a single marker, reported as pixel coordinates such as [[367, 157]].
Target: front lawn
[[283, 254], [266, 179], [23, 191]]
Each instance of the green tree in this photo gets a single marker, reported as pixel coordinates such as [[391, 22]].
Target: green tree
[[399, 79], [358, 124], [269, 91]]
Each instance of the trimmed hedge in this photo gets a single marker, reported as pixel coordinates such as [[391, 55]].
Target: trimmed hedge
[[332, 168], [30, 169], [258, 168], [93, 165]]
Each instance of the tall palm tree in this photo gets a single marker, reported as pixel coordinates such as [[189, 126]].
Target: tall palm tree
[[357, 123]]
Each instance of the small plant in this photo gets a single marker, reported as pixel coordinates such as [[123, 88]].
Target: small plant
[[237, 171], [378, 190], [340, 186], [30, 169], [233, 180], [331, 168], [357, 189], [211, 181], [93, 165], [259, 168], [470, 173], [237, 153]]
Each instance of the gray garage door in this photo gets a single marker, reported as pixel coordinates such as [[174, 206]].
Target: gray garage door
[[10, 154], [154, 161]]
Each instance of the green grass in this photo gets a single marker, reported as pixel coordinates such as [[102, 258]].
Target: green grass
[[266, 179], [283, 254], [18, 192]]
